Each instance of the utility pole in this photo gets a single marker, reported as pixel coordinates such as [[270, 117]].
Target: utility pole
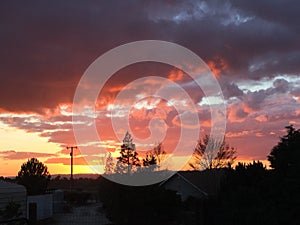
[[71, 154]]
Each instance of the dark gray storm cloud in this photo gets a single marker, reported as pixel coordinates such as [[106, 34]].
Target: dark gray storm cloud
[[47, 45]]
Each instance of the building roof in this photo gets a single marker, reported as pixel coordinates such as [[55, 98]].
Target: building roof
[[8, 187], [208, 182]]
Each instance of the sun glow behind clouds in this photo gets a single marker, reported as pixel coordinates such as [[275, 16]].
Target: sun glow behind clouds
[[17, 139], [22, 141]]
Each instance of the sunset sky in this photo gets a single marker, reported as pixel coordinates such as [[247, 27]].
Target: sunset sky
[[252, 47]]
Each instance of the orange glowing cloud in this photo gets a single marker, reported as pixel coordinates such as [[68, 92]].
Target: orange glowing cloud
[[259, 134], [237, 134], [261, 118], [66, 161], [237, 113], [116, 88], [176, 75], [247, 109], [217, 65], [206, 123]]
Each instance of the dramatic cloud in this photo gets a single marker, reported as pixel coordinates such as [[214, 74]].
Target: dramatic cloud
[[251, 47], [46, 46]]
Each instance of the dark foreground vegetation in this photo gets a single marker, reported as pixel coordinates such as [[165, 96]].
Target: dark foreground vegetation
[[250, 195], [253, 195]]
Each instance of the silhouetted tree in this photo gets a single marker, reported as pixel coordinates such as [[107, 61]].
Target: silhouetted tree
[[247, 174], [241, 166], [154, 157], [109, 164], [150, 161], [210, 154], [128, 161], [285, 156], [255, 165], [159, 153], [34, 176]]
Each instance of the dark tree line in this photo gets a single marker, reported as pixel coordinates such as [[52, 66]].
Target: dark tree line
[[208, 154]]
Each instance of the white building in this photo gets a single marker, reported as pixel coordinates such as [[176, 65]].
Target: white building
[[11, 192]]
